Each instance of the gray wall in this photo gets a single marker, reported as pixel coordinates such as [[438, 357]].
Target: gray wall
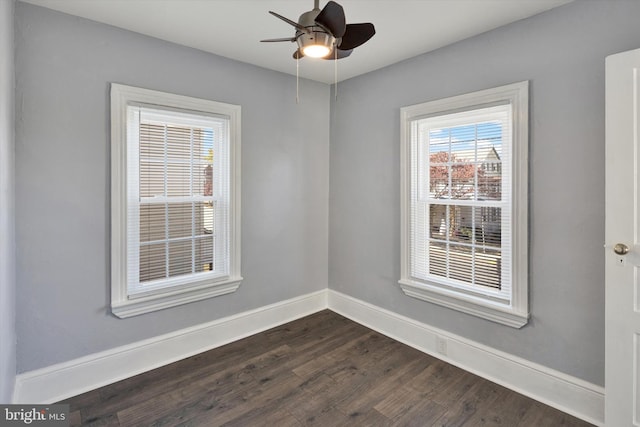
[[562, 53], [64, 65], [7, 243]]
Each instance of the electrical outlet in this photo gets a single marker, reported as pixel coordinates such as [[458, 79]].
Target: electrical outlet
[[441, 345]]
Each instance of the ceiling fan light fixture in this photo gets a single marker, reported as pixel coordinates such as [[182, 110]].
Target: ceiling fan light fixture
[[316, 44], [316, 51]]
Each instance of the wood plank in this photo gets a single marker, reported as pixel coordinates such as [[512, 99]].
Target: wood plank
[[476, 399], [507, 411], [379, 390], [399, 405]]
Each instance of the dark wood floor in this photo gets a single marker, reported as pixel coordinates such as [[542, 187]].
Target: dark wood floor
[[322, 370]]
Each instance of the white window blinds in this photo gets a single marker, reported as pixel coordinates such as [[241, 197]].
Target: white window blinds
[[177, 198], [460, 216]]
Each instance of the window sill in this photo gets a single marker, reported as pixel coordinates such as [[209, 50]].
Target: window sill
[[134, 307], [495, 312]]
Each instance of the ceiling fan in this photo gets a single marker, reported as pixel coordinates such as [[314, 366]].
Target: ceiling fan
[[325, 33]]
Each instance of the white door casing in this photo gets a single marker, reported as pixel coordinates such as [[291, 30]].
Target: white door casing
[[622, 225]]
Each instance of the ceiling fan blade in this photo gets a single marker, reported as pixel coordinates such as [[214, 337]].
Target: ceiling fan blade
[[341, 54], [290, 22], [332, 18], [356, 35], [283, 39], [298, 54]]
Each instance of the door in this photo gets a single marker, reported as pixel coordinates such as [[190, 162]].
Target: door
[[622, 236]]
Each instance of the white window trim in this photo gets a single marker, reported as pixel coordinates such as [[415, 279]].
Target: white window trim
[[516, 312], [122, 305]]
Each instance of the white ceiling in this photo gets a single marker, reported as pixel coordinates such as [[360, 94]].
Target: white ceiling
[[234, 28]]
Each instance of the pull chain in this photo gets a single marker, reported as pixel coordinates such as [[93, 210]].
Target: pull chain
[[335, 71], [297, 78]]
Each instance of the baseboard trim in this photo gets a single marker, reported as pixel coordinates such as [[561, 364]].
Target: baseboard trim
[[561, 391], [60, 381]]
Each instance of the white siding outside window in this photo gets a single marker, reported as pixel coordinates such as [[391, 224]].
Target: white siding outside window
[[464, 203], [175, 200]]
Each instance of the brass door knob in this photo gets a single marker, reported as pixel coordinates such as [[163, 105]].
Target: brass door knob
[[621, 249]]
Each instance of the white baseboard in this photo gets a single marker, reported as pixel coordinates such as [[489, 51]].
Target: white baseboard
[[58, 382], [561, 391], [568, 394]]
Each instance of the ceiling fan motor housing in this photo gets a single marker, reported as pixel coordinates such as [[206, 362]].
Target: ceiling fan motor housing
[[316, 35]]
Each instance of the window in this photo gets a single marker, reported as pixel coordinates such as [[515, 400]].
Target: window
[[175, 199], [464, 203]]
